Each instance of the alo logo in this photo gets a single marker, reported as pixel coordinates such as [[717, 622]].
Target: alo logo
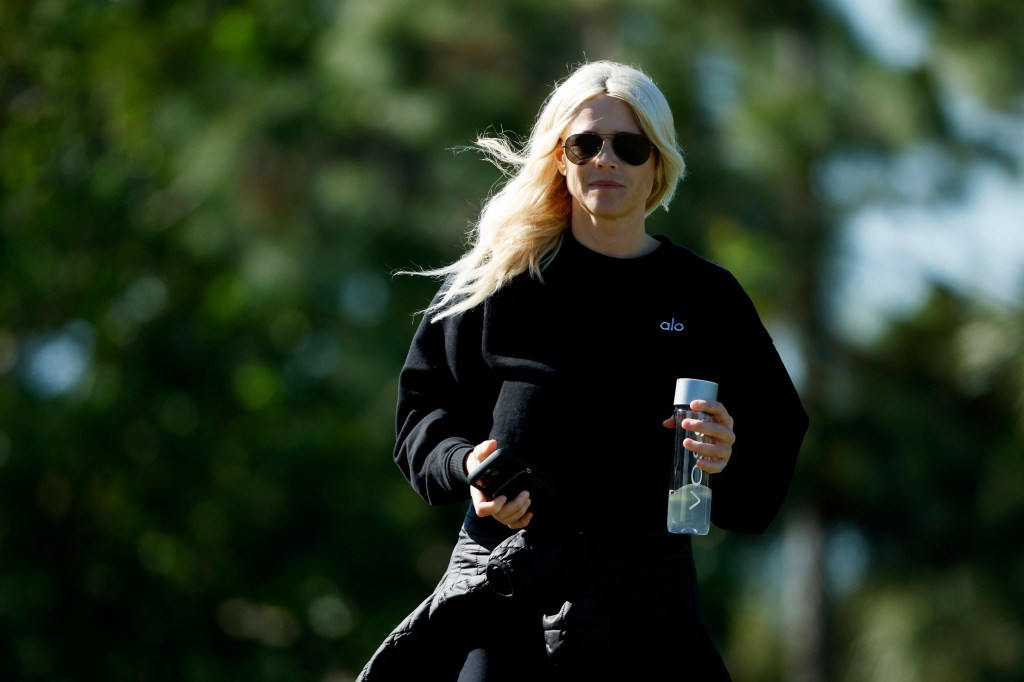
[[672, 326]]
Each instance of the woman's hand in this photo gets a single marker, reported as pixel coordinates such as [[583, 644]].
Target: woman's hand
[[718, 435], [512, 513]]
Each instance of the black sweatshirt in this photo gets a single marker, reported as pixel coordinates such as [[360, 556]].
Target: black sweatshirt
[[576, 373]]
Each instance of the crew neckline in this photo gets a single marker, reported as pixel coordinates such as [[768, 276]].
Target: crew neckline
[[575, 245]]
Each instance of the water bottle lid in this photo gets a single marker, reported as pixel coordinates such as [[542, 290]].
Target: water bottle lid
[[694, 389]]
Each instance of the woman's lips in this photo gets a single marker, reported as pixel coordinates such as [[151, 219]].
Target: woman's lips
[[605, 184]]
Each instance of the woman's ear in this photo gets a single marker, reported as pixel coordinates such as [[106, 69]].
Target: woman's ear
[[560, 159]]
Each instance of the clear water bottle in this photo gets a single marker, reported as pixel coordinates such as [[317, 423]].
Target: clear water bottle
[[689, 493]]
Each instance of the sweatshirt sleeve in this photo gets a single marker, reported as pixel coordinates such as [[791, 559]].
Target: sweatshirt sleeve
[[770, 424], [441, 411]]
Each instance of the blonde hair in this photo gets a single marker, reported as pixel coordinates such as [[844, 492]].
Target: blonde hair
[[521, 226]]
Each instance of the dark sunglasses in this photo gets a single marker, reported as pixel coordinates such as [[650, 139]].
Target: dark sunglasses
[[632, 148]]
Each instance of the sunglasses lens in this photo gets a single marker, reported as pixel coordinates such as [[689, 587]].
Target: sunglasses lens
[[582, 147], [632, 148]]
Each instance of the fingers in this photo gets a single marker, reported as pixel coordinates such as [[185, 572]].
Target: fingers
[[712, 432], [716, 409], [713, 453], [713, 458], [513, 513], [717, 435], [719, 427], [479, 454]]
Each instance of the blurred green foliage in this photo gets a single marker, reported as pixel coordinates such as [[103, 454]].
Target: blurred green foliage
[[202, 206]]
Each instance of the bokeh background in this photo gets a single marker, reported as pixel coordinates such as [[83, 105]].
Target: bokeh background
[[204, 203]]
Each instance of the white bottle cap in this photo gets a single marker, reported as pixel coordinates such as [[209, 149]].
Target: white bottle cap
[[694, 389]]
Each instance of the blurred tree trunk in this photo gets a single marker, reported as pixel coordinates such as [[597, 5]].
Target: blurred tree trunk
[[803, 622]]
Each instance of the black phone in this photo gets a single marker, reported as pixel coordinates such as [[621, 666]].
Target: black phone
[[505, 473]]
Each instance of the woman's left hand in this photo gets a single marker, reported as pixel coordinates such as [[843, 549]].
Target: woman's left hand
[[718, 435]]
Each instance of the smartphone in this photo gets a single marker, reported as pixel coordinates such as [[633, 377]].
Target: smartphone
[[504, 473]]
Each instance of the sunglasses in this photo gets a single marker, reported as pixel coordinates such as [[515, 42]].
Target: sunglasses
[[632, 148]]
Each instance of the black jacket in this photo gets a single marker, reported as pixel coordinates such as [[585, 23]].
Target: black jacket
[[595, 619]]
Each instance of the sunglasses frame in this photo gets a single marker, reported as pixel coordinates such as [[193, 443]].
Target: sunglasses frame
[[614, 137]]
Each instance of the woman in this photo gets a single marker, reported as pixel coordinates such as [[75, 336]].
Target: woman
[[559, 335]]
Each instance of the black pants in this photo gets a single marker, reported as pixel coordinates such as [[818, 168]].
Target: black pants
[[506, 646]]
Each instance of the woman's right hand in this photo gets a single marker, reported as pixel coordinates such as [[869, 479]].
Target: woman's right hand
[[513, 513]]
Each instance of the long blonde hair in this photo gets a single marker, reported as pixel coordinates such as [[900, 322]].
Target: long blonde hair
[[522, 225]]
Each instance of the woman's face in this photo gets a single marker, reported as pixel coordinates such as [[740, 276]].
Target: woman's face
[[606, 188]]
